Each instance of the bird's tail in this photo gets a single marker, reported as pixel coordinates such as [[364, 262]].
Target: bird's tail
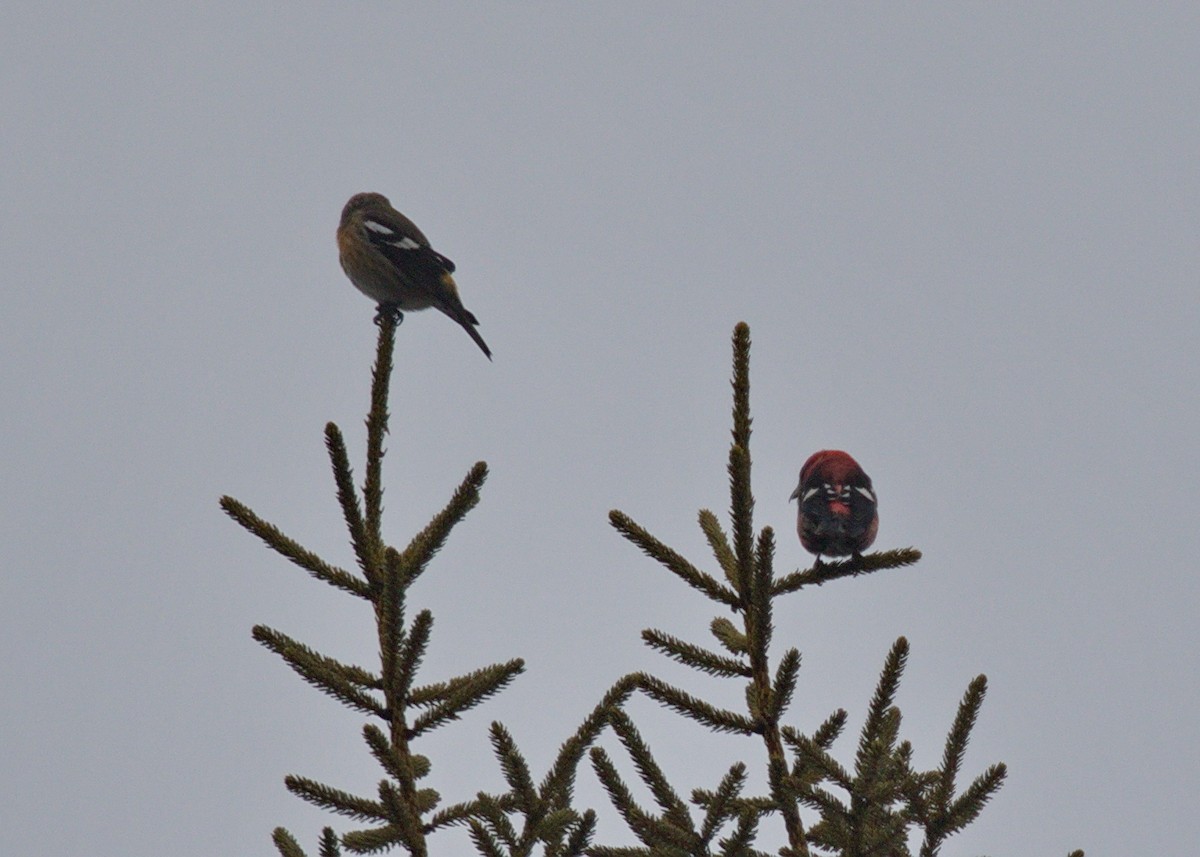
[[452, 305], [469, 327]]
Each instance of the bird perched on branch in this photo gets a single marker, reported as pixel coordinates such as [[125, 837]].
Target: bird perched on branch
[[389, 260], [838, 513]]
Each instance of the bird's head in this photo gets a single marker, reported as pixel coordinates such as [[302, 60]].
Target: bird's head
[[835, 472], [364, 202]]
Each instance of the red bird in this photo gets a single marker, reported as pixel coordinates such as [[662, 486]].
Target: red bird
[[838, 512]]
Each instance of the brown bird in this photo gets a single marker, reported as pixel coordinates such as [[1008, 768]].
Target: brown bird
[[390, 261]]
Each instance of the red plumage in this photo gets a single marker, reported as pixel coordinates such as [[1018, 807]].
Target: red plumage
[[838, 514]]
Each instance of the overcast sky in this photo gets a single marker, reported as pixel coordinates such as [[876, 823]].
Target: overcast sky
[[964, 237]]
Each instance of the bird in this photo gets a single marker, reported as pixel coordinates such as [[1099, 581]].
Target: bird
[[838, 514], [389, 260]]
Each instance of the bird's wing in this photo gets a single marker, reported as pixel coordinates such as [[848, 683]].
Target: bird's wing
[[406, 247], [403, 243], [863, 505]]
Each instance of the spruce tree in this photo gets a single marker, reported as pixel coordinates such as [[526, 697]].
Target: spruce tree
[[821, 806]]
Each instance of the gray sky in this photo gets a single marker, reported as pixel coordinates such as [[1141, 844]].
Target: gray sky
[[964, 237]]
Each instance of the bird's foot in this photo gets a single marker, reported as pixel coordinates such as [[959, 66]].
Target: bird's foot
[[388, 311]]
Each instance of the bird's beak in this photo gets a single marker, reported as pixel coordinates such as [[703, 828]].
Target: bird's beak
[[795, 494]]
